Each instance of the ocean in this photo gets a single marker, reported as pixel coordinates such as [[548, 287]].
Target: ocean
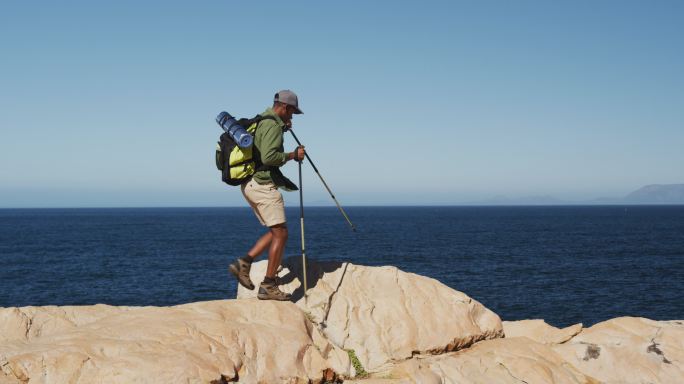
[[564, 264]]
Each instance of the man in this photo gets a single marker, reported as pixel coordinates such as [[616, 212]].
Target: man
[[261, 192]]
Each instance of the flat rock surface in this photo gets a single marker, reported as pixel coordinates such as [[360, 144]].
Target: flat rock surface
[[500, 361], [249, 340], [540, 331], [629, 350], [382, 313]]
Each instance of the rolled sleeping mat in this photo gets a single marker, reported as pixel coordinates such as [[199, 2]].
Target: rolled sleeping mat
[[236, 132]]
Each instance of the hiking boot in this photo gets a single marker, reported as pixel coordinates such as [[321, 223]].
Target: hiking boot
[[240, 269], [270, 291]]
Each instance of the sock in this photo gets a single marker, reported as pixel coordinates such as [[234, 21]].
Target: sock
[[247, 259], [269, 280]]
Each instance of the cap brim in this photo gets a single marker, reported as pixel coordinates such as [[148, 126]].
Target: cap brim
[[298, 111]]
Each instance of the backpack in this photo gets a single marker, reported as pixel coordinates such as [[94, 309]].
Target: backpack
[[237, 164]]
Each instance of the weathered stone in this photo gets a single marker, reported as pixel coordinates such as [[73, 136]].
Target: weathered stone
[[629, 350], [43, 321], [257, 342], [382, 313], [540, 332]]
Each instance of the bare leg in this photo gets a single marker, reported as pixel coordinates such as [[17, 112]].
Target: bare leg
[[261, 245], [240, 268], [275, 252]]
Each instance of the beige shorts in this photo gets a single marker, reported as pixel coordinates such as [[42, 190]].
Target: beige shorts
[[266, 201]]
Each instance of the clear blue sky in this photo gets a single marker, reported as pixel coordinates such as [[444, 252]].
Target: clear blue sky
[[113, 103]]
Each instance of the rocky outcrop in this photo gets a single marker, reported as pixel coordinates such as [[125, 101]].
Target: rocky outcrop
[[629, 350], [540, 332], [399, 327], [384, 314], [218, 341]]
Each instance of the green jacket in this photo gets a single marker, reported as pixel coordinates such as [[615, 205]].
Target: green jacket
[[268, 145]]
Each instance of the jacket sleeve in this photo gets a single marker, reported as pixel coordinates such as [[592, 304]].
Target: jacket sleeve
[[270, 144]]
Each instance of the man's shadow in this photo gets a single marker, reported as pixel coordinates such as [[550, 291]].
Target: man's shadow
[[315, 269]]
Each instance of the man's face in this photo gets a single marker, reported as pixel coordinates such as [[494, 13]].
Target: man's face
[[285, 112], [289, 111]]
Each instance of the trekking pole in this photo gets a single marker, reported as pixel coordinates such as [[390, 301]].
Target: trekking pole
[[301, 222], [324, 183]]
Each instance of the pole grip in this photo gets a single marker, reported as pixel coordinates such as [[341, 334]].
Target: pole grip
[[305, 154]]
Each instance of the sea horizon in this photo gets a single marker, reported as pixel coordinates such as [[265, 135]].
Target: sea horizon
[[456, 205]]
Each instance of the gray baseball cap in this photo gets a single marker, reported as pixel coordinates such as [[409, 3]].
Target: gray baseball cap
[[288, 97]]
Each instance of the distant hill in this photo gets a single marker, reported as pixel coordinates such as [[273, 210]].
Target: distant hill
[[657, 194]]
